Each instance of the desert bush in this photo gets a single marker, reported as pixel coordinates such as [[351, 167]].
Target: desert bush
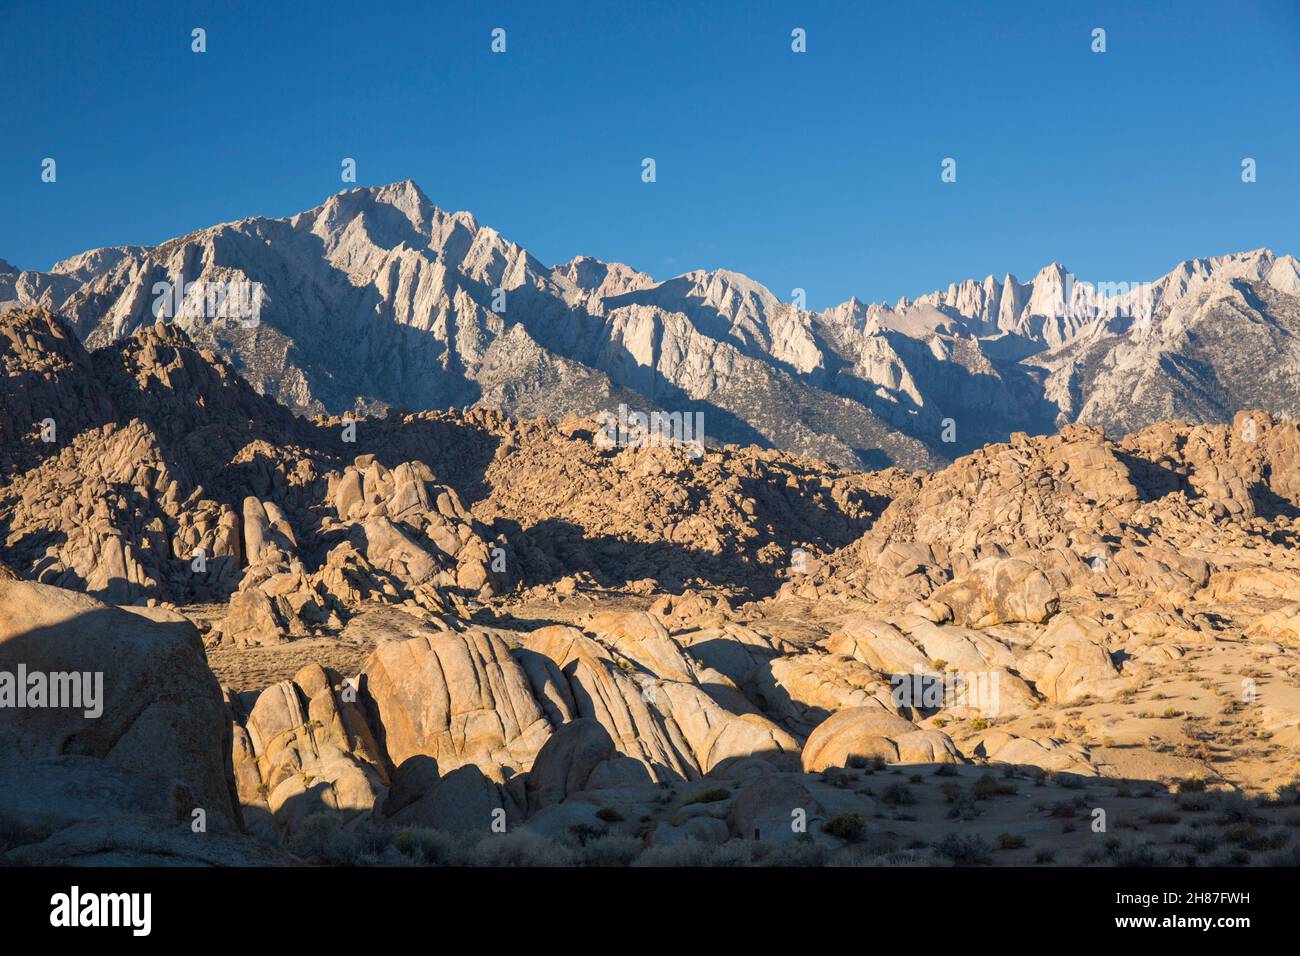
[[1162, 818], [580, 834], [865, 855], [1250, 837], [1010, 841], [798, 853], [611, 851], [327, 839], [1068, 809], [839, 779], [965, 849], [846, 826], [1289, 857], [989, 786], [1194, 802], [695, 853], [1236, 810], [898, 795], [1205, 842], [520, 848], [1134, 854], [427, 847], [963, 807]]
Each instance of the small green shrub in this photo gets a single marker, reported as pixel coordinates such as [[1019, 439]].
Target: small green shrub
[[988, 786], [846, 826]]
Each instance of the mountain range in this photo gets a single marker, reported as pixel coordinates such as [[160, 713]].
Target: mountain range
[[378, 299]]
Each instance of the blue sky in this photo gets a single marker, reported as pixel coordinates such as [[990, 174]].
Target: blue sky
[[816, 170]]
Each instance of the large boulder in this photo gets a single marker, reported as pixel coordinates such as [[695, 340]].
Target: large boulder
[[863, 733], [997, 591], [718, 736], [567, 762], [879, 645], [959, 647], [1045, 753], [38, 798], [459, 698], [464, 801], [1070, 661], [640, 638], [803, 690], [158, 712], [309, 750], [1281, 625], [730, 649], [620, 700], [776, 810]]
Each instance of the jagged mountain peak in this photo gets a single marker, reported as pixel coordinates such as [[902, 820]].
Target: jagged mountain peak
[[379, 298], [591, 275]]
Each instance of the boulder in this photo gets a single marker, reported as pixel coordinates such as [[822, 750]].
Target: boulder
[[567, 762], [998, 591], [1070, 661], [159, 713], [879, 645], [862, 733], [464, 801], [775, 809], [311, 751], [802, 691], [624, 704], [459, 698]]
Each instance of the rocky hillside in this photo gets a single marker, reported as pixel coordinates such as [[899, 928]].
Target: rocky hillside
[[379, 299], [149, 471], [462, 638]]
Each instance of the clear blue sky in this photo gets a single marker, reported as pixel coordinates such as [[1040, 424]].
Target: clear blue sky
[[818, 170]]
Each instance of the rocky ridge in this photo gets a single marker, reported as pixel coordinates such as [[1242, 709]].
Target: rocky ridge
[[379, 299]]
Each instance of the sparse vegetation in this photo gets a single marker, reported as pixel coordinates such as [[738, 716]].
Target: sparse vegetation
[[988, 786], [967, 849], [897, 795], [1010, 841], [846, 826]]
